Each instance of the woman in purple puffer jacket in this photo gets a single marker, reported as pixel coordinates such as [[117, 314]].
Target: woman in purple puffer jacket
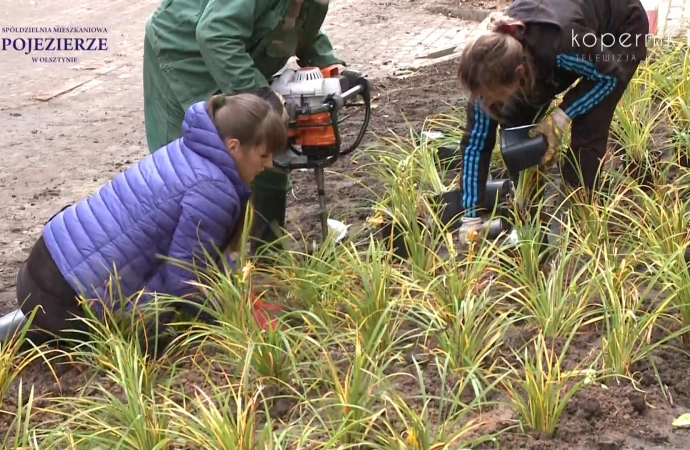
[[183, 202]]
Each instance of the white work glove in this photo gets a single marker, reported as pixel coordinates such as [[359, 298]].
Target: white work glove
[[553, 128]]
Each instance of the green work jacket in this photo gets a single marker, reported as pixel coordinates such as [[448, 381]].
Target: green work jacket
[[209, 46]]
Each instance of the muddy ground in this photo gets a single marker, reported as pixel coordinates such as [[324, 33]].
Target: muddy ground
[[58, 151], [399, 106], [624, 416], [620, 417]]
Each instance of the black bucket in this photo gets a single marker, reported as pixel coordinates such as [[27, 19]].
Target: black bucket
[[449, 153], [519, 151], [449, 157], [452, 208], [497, 192], [394, 236], [496, 227]]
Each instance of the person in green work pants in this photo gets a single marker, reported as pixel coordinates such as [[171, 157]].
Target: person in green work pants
[[194, 49]]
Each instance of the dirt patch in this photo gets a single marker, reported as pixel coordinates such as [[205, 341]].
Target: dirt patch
[[37, 193], [465, 9], [400, 104], [621, 416]]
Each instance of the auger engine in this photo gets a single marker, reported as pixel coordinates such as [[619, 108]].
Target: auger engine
[[314, 99]]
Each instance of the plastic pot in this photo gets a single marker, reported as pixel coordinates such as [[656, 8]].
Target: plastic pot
[[451, 208], [497, 192], [449, 157], [496, 227], [449, 154], [394, 236], [519, 151]]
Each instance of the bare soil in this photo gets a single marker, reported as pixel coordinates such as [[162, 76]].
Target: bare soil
[[623, 416], [399, 105]]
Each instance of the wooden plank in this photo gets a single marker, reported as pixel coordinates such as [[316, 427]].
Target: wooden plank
[[74, 83], [439, 53], [104, 70]]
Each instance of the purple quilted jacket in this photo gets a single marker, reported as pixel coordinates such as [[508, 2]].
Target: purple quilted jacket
[[176, 202]]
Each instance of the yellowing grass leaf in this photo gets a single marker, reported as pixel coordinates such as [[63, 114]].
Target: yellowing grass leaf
[[682, 421], [375, 220]]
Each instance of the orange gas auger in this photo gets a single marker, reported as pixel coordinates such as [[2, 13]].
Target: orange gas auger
[[313, 100]]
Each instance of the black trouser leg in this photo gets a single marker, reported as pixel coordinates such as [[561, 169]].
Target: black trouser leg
[[41, 286], [590, 135], [268, 221], [590, 132]]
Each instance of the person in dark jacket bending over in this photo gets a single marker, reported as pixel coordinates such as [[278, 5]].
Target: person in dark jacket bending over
[[197, 48], [536, 51], [183, 202]]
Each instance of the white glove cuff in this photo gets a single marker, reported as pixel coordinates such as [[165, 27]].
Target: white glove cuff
[[471, 220]]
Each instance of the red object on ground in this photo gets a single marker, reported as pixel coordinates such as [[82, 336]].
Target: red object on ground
[[260, 312]]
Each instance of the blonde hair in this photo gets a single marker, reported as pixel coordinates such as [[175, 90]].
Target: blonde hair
[[493, 58]]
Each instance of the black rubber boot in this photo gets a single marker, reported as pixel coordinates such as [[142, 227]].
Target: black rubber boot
[[268, 223]]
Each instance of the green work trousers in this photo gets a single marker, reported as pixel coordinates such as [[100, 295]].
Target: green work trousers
[[163, 115]]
